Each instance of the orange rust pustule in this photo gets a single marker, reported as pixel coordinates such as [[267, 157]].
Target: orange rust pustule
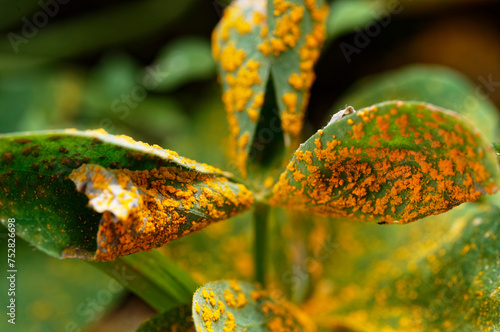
[[170, 202], [396, 177]]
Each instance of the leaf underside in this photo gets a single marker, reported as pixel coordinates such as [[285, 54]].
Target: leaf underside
[[394, 162], [125, 179]]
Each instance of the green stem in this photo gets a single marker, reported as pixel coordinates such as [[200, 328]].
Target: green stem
[[496, 148], [260, 214], [153, 277]]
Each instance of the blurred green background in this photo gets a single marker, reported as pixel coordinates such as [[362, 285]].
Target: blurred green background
[[144, 69]]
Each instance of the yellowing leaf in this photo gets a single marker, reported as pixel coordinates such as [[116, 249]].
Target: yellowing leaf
[[392, 162], [441, 274]]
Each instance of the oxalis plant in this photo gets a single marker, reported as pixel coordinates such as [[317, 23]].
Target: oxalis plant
[[111, 200]]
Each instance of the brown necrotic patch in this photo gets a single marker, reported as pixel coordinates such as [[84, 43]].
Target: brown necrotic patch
[[28, 150], [7, 158]]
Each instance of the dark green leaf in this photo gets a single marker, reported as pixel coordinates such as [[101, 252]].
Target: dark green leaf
[[345, 15], [460, 283], [177, 195], [94, 31], [179, 319], [394, 162], [240, 306]]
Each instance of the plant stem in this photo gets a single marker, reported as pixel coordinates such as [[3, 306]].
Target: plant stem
[[260, 214], [496, 148], [153, 277]]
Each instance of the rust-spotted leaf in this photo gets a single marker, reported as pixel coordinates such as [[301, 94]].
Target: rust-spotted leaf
[[392, 162], [438, 275], [243, 69], [255, 39], [239, 306], [141, 196], [297, 31]]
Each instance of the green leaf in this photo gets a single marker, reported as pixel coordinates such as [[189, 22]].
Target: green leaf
[[240, 306], [252, 41], [158, 195], [114, 77], [243, 69], [54, 295], [297, 32], [12, 12], [440, 274], [179, 319], [462, 278], [345, 15], [187, 59], [153, 277], [437, 85], [394, 162]]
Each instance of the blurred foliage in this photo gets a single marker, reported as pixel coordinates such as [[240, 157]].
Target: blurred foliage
[[86, 69], [437, 85], [440, 273], [56, 295]]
